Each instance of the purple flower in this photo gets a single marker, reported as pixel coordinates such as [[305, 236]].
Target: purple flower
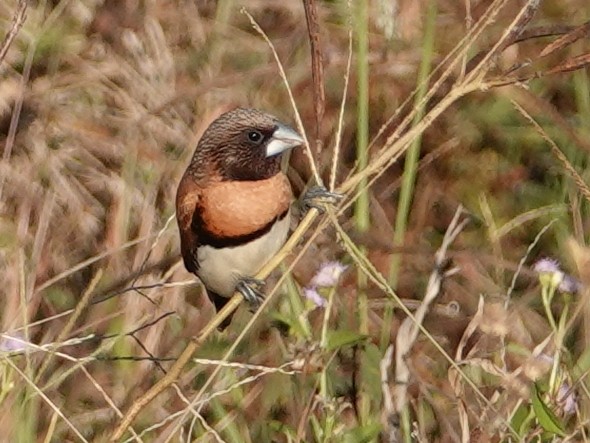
[[328, 275], [12, 343], [546, 266], [567, 397], [570, 285], [313, 295], [550, 273]]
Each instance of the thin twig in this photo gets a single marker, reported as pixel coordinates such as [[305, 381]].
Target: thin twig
[[46, 399], [571, 170], [16, 112], [340, 127], [72, 320], [510, 34], [389, 418], [410, 327], [517, 27], [20, 15], [317, 69], [91, 260], [312, 164], [567, 39]]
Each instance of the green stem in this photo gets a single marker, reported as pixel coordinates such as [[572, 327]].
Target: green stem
[[324, 342], [297, 305], [411, 163], [361, 210], [410, 169], [361, 213], [547, 295], [559, 337]]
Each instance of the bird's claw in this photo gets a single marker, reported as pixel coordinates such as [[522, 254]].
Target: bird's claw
[[319, 197], [250, 290]]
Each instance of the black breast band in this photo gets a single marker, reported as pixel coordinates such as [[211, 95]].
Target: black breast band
[[207, 238]]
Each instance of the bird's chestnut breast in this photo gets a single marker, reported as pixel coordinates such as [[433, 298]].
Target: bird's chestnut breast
[[238, 208]]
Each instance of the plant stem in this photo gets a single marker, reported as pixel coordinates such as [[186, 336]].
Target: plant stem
[[411, 163], [361, 213]]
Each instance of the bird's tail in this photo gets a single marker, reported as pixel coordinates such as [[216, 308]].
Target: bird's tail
[[219, 302]]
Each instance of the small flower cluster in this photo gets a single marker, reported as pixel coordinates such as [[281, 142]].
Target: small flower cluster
[[326, 277], [549, 271], [12, 343], [567, 398]]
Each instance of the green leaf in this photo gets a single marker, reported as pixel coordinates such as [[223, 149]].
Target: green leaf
[[582, 365], [547, 419], [343, 337], [521, 419], [363, 434]]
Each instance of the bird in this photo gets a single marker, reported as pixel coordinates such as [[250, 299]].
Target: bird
[[233, 203]]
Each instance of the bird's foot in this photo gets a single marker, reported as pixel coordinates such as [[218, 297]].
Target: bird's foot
[[319, 197], [250, 289]]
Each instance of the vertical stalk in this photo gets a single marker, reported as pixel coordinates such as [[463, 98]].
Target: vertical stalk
[[411, 163], [361, 213], [361, 210], [410, 169]]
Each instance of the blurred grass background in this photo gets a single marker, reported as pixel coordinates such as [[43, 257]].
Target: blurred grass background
[[101, 105]]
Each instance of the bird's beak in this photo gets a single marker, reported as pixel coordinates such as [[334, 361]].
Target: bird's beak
[[282, 139]]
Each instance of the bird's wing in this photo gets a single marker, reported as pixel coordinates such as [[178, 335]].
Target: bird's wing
[[187, 197]]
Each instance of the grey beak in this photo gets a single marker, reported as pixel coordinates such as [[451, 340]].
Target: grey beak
[[282, 139]]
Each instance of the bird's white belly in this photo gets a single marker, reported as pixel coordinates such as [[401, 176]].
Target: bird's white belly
[[221, 268]]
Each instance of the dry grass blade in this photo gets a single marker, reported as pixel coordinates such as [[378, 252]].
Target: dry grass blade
[[389, 417], [510, 34], [20, 15], [308, 151], [46, 399], [90, 261], [82, 304], [340, 127], [566, 40], [16, 112], [542, 106], [28, 347], [517, 28], [543, 31], [528, 34], [410, 327], [470, 330], [571, 64], [317, 68], [577, 178]]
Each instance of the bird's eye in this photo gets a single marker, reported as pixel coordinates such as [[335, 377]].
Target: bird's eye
[[255, 136]]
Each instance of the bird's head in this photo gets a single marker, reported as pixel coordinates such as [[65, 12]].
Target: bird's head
[[245, 144]]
